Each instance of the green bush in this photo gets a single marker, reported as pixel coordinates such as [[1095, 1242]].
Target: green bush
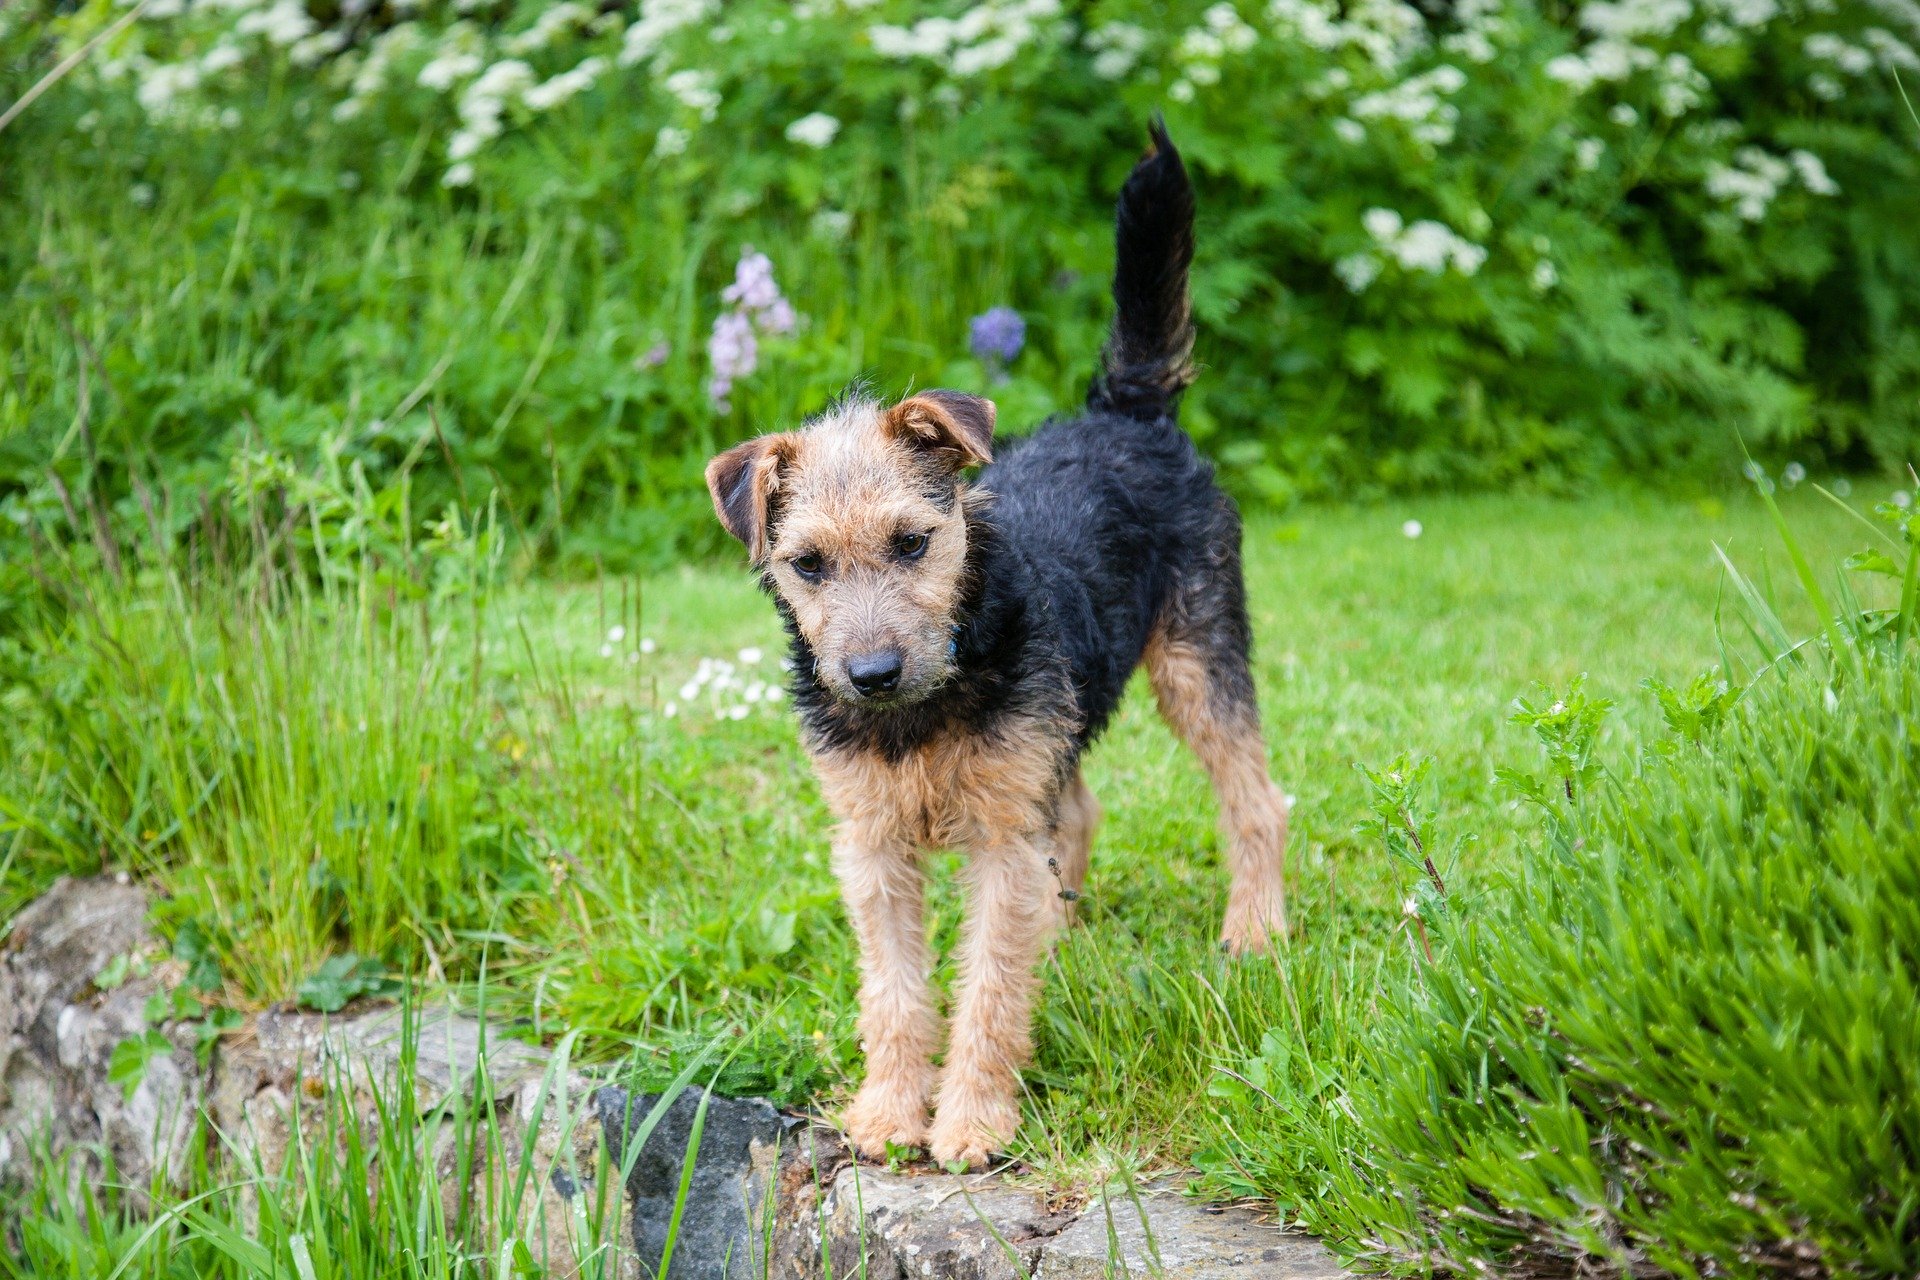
[[1684, 1036], [1508, 241]]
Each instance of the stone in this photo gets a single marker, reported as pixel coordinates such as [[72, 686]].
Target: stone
[[58, 1032], [732, 1170], [834, 1217], [770, 1195], [1161, 1233]]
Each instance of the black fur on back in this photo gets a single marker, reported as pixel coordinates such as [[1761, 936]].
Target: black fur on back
[[1099, 527]]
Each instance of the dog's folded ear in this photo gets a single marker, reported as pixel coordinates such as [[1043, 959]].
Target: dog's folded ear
[[952, 424], [743, 482]]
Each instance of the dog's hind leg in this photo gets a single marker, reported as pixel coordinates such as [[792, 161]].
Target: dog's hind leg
[[1072, 849], [1197, 661]]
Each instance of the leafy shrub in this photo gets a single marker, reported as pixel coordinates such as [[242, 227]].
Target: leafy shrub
[[1507, 240]]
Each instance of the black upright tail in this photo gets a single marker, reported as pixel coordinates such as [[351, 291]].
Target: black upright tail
[[1147, 360]]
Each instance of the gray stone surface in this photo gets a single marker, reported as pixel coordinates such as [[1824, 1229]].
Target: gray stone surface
[[771, 1195], [58, 1032], [739, 1142], [831, 1213]]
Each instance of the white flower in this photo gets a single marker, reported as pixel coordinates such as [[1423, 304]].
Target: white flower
[[1813, 173], [738, 712], [160, 85], [670, 141], [1412, 528], [1623, 115], [985, 56], [1180, 91], [1587, 153], [1350, 131], [309, 52], [695, 89], [1357, 271], [220, 57], [441, 72], [282, 24], [464, 144], [1411, 907], [671, 710], [1381, 224], [658, 20], [1117, 46], [1750, 183], [549, 24], [616, 633], [1571, 69], [815, 130], [606, 651], [1902, 499], [831, 224], [750, 656], [646, 644], [460, 175], [557, 89], [1793, 473], [1545, 275]]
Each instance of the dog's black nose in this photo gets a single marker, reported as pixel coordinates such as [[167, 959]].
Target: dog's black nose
[[873, 673]]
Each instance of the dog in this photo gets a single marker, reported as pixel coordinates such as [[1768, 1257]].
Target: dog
[[956, 646]]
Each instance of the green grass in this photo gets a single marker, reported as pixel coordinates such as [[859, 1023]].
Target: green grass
[[466, 777]]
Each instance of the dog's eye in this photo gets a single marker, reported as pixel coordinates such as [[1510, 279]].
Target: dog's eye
[[910, 546], [808, 565]]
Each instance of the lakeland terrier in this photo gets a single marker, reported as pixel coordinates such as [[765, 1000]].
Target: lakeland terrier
[[957, 645]]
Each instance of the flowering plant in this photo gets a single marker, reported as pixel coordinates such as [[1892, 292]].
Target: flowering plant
[[1499, 243]]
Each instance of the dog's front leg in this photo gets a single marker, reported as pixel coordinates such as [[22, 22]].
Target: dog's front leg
[[1009, 913], [882, 883]]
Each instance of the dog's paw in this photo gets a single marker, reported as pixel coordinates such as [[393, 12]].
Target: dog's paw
[[1251, 929], [967, 1129], [880, 1116]]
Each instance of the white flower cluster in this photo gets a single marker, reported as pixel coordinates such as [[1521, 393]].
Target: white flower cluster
[[729, 693], [816, 130], [618, 633], [985, 37], [1623, 30], [658, 20], [695, 89], [1425, 246], [1202, 49], [369, 78], [1880, 48], [1480, 28], [1418, 103], [1116, 46], [563, 17], [1388, 32], [1755, 177]]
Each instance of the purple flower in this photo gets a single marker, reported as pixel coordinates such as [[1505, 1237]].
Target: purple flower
[[753, 286], [734, 354], [997, 335]]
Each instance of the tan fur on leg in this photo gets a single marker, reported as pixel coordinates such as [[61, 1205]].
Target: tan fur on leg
[[1072, 849], [1227, 739], [1007, 924], [884, 890]]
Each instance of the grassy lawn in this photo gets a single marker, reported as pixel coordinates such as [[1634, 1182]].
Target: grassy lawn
[[496, 785]]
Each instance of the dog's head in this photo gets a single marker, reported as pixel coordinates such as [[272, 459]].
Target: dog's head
[[859, 524]]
